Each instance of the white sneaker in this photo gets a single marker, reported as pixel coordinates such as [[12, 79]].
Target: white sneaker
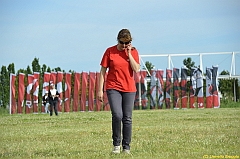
[[116, 149], [126, 151]]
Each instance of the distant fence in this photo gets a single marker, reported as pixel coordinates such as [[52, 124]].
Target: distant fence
[[78, 93]]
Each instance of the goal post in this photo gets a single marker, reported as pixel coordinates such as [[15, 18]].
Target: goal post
[[233, 74]]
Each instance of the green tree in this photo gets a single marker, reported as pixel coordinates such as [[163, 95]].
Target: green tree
[[11, 69], [29, 71], [72, 81], [189, 64], [237, 89], [44, 68], [4, 87], [57, 69], [36, 66], [49, 69], [1, 89], [149, 66], [226, 86]]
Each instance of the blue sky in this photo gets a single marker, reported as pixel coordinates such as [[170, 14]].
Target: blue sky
[[74, 34]]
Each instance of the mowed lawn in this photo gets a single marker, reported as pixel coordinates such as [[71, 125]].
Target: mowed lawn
[[160, 134]]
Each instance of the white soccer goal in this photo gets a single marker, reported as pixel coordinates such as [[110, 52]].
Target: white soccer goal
[[228, 61], [212, 59]]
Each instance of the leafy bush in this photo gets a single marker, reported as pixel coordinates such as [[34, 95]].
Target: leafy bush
[[229, 104], [3, 111]]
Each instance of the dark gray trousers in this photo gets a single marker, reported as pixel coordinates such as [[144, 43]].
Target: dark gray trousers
[[53, 104], [121, 104]]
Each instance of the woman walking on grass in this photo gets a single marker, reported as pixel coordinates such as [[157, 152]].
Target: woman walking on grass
[[122, 61]]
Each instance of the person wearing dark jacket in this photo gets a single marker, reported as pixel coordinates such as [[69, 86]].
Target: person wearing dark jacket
[[45, 101], [53, 100]]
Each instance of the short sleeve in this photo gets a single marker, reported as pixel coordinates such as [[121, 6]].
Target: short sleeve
[[105, 59]]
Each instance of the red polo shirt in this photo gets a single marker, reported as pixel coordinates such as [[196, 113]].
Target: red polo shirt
[[120, 74]]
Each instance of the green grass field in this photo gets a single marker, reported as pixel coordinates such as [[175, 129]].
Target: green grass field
[[160, 134]]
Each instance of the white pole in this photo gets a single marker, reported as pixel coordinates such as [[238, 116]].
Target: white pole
[[139, 85], [234, 89], [201, 65], [169, 60], [234, 73], [172, 63], [232, 65], [139, 92], [10, 99], [145, 66]]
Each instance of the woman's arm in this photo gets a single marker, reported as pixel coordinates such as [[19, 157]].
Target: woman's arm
[[100, 83], [135, 66]]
